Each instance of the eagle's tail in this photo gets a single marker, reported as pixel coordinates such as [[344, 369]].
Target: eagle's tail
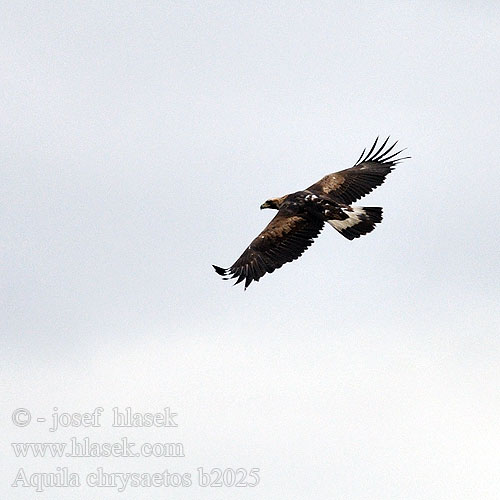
[[359, 221]]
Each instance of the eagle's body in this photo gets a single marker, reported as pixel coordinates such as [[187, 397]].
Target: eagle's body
[[302, 215]]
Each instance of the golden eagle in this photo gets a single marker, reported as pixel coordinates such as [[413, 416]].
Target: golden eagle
[[301, 215]]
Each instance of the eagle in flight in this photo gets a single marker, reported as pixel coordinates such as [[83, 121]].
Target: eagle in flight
[[302, 215]]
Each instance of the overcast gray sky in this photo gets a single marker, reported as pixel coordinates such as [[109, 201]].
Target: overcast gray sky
[[137, 142]]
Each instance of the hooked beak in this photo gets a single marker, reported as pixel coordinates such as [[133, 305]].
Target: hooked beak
[[264, 205]]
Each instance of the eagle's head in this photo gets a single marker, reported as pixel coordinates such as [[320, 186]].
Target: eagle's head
[[273, 203]]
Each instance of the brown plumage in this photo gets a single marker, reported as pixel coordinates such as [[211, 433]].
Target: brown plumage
[[301, 215]]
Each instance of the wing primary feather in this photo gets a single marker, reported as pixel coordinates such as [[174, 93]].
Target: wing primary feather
[[360, 156], [371, 150], [221, 270], [386, 159], [240, 279], [378, 157], [253, 271], [260, 268], [381, 148], [248, 281]]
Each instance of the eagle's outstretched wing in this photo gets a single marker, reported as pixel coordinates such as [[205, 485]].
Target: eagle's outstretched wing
[[284, 239], [370, 171]]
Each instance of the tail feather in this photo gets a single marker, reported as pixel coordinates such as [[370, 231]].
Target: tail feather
[[358, 221]]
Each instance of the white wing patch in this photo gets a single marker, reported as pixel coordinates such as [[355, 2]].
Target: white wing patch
[[310, 197]]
